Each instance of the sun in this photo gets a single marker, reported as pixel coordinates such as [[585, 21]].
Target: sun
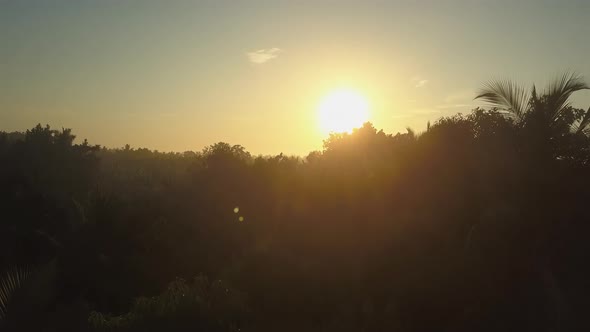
[[342, 110]]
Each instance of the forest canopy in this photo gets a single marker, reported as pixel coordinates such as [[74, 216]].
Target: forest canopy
[[478, 223]]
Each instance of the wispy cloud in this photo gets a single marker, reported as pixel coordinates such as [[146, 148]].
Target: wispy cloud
[[418, 81], [458, 99], [402, 116], [421, 83], [416, 112], [425, 111], [453, 106], [263, 55], [460, 96]]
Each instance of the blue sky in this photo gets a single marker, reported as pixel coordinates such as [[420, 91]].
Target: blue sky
[[179, 75]]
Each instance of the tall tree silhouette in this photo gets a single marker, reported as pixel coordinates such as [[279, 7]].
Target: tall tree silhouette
[[528, 106], [547, 120]]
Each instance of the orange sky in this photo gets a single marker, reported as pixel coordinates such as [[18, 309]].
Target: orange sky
[[179, 75]]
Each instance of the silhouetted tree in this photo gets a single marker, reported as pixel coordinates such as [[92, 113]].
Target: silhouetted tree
[[478, 223]]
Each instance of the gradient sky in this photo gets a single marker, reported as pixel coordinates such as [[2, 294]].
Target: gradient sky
[[180, 75]]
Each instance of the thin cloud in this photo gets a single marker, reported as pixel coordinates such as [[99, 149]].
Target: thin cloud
[[402, 116], [418, 81], [421, 83], [460, 96], [458, 99], [454, 106], [263, 55], [417, 112], [424, 111]]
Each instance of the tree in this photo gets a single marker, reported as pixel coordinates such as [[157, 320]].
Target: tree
[[525, 106], [547, 120], [224, 155]]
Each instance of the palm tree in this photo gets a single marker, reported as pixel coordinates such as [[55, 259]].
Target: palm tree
[[582, 126], [10, 283], [549, 127], [25, 293], [545, 111]]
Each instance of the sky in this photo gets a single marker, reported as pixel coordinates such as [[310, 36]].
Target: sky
[[180, 75]]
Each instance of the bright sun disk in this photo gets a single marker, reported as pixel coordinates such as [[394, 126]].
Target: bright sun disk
[[342, 110]]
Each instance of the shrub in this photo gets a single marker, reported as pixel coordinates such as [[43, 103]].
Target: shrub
[[200, 305]]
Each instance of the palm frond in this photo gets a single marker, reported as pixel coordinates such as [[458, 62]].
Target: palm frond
[[534, 97], [506, 95], [559, 91], [10, 283], [583, 126]]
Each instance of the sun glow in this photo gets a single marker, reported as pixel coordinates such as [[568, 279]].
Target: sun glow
[[342, 110]]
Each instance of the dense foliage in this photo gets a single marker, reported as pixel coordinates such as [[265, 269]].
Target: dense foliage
[[197, 306], [480, 223]]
